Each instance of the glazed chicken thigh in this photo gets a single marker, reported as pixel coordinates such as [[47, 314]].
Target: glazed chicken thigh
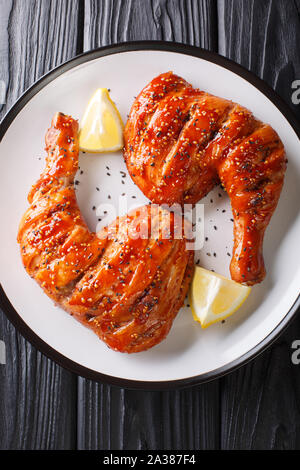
[[126, 288], [180, 142]]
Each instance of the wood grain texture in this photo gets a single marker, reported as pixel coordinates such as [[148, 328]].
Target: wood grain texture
[[111, 418], [38, 398], [189, 21], [260, 402], [4, 51], [264, 37]]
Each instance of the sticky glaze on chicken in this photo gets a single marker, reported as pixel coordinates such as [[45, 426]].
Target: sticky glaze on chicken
[[180, 142], [127, 289]]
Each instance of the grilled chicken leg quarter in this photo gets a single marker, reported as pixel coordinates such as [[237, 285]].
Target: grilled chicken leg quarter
[[126, 288], [180, 142]]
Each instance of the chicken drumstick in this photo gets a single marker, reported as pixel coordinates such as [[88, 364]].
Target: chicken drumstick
[[180, 142], [127, 289]]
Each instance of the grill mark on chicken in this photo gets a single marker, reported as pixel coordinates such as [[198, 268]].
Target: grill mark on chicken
[[128, 291], [215, 141]]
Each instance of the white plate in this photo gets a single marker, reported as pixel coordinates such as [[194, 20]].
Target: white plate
[[189, 355]]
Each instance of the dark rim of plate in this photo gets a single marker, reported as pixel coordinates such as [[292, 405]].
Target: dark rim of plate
[[16, 319]]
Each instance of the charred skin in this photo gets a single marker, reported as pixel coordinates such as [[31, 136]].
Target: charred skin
[[180, 142], [127, 289]]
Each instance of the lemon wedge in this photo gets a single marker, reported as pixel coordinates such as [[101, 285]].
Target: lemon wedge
[[214, 297], [101, 128]]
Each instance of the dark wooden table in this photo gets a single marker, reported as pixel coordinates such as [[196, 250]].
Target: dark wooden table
[[42, 406]]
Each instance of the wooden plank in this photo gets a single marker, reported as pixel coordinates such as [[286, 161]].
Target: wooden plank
[[189, 21], [264, 38], [38, 398], [111, 418], [4, 52], [260, 403]]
